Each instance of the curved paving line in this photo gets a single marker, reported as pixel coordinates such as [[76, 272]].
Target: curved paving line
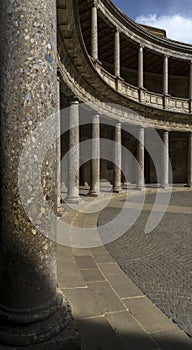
[[110, 293]]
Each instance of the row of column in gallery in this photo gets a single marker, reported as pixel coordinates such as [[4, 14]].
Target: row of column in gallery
[[160, 156], [117, 55]]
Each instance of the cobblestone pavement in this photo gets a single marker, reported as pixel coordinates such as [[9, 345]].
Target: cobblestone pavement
[[159, 262]]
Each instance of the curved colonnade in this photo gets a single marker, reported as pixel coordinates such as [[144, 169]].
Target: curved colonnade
[[113, 64]]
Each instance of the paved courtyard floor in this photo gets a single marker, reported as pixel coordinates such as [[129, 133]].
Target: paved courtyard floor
[[160, 262], [134, 293]]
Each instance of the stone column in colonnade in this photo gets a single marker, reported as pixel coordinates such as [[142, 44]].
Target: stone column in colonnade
[[117, 188], [73, 153], [141, 159], [95, 159], [165, 159]]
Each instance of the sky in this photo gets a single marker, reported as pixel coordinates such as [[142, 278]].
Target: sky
[[175, 16]]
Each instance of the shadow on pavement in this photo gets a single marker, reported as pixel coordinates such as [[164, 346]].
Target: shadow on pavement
[[97, 334]]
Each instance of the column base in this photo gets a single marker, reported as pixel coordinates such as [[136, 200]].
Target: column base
[[73, 200], [94, 194], [140, 188], [126, 185], [69, 339], [189, 185], [165, 186], [51, 332], [117, 190]]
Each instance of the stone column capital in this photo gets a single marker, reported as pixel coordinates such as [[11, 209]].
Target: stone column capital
[[74, 100], [93, 3], [118, 125], [96, 118], [117, 30]]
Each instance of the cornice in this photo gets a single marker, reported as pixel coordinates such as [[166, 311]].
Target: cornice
[[142, 32]]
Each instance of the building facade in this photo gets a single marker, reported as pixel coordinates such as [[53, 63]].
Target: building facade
[[131, 81], [106, 60]]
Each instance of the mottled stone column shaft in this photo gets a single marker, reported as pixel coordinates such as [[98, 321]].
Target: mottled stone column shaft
[[94, 33], [165, 76], [117, 161], [140, 67], [95, 161], [73, 156], [31, 310], [165, 159], [190, 159], [117, 53], [141, 159]]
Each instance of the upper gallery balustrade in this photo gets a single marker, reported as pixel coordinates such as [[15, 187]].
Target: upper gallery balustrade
[[140, 65]]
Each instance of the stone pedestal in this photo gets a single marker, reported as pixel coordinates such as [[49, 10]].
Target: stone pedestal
[[141, 159], [73, 154], [117, 166], [32, 310], [165, 160], [95, 161]]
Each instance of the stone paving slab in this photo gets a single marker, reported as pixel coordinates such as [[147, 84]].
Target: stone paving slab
[[97, 334], [123, 286], [109, 268], [152, 319], [130, 332], [92, 275], [173, 339], [107, 300], [82, 303], [109, 313]]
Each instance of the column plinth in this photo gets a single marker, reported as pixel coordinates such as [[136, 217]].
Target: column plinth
[[141, 159], [117, 188], [32, 310]]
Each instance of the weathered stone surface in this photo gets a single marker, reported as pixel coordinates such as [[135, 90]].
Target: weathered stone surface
[[31, 308]]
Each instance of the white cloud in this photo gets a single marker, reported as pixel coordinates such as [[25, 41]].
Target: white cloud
[[178, 27]]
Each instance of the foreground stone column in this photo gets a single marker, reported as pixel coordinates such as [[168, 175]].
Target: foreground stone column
[[95, 161], [117, 53], [117, 166], [94, 30], [73, 156], [141, 159], [32, 311], [165, 159], [140, 67], [190, 159]]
